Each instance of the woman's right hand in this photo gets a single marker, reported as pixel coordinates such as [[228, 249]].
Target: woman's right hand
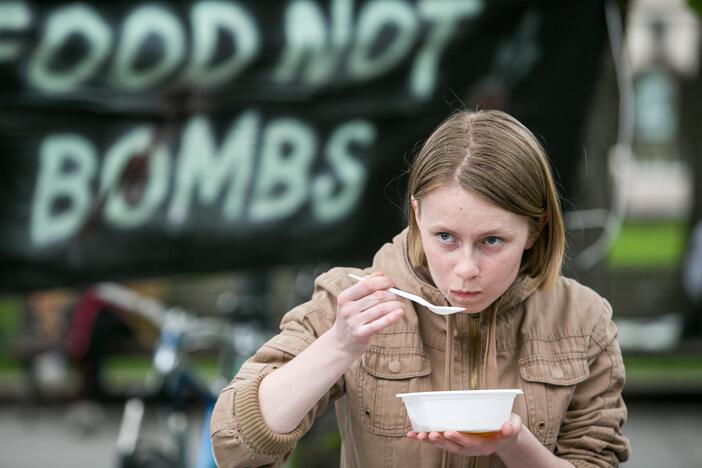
[[363, 310]]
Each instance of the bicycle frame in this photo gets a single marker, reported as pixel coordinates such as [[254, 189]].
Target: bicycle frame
[[181, 333]]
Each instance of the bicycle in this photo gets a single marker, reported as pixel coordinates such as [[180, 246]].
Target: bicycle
[[175, 380]]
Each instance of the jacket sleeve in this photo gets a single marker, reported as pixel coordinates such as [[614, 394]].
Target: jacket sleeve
[[239, 435], [590, 435]]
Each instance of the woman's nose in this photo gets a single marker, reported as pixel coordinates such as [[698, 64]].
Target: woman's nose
[[468, 265]]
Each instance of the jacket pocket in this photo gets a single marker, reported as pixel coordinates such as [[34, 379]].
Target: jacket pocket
[[549, 382], [382, 374]]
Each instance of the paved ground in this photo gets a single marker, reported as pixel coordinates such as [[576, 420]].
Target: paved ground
[[64, 437], [663, 434]]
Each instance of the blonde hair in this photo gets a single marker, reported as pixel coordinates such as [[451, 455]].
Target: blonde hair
[[493, 155]]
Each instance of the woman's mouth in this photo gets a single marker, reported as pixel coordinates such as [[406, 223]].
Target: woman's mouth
[[463, 295]]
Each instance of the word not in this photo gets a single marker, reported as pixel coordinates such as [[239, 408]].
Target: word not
[[220, 41]]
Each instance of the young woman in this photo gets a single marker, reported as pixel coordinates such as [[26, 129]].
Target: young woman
[[485, 233]]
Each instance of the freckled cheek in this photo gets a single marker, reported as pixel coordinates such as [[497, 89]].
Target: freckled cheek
[[440, 265], [500, 268]]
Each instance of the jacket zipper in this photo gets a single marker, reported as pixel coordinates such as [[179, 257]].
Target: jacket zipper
[[474, 362], [474, 356]]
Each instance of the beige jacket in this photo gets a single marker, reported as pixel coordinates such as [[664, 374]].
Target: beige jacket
[[559, 346]]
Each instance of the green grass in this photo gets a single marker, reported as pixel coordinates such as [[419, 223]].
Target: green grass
[[122, 372], [685, 369], [669, 369], [10, 369], [10, 319], [133, 370], [648, 245]]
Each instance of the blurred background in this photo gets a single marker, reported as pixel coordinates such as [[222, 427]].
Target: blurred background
[[175, 175]]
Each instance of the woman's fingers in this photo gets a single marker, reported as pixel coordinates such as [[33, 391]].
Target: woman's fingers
[[370, 322], [366, 308], [374, 299], [375, 312], [382, 323], [511, 427], [465, 444], [369, 301], [473, 442], [370, 284], [438, 439]]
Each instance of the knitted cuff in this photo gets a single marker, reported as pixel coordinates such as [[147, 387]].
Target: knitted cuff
[[578, 463], [256, 434]]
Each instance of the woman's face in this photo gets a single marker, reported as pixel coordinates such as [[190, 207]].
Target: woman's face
[[473, 248]]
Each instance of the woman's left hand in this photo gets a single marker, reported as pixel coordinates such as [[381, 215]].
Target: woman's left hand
[[467, 444]]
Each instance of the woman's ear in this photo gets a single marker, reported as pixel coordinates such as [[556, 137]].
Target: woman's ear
[[535, 228], [415, 207]]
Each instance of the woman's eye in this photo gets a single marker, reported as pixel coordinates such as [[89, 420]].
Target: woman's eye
[[444, 237], [493, 240]]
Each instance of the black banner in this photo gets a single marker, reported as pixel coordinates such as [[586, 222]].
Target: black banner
[[154, 138]]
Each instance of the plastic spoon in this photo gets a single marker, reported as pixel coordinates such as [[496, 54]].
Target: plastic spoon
[[437, 309]]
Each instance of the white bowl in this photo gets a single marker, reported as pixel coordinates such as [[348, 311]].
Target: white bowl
[[462, 410]]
